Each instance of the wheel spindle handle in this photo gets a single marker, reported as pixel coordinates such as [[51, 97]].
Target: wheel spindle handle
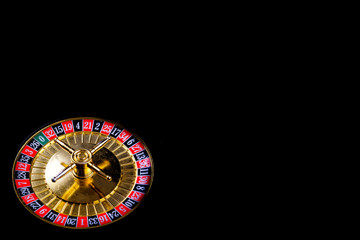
[[93, 150], [63, 172], [98, 146], [64, 146], [99, 171]]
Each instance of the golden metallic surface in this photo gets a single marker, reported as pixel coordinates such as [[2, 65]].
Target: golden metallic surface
[[83, 186], [83, 173]]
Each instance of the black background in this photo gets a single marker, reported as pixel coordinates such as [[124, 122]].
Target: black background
[[163, 121], [160, 76]]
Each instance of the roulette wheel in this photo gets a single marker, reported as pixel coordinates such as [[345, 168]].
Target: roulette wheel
[[82, 173]]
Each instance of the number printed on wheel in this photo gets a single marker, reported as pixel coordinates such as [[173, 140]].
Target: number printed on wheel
[[82, 173]]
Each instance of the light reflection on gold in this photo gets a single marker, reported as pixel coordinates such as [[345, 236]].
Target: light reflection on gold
[[70, 191]]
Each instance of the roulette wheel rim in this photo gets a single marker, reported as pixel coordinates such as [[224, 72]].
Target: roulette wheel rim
[[76, 206]]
